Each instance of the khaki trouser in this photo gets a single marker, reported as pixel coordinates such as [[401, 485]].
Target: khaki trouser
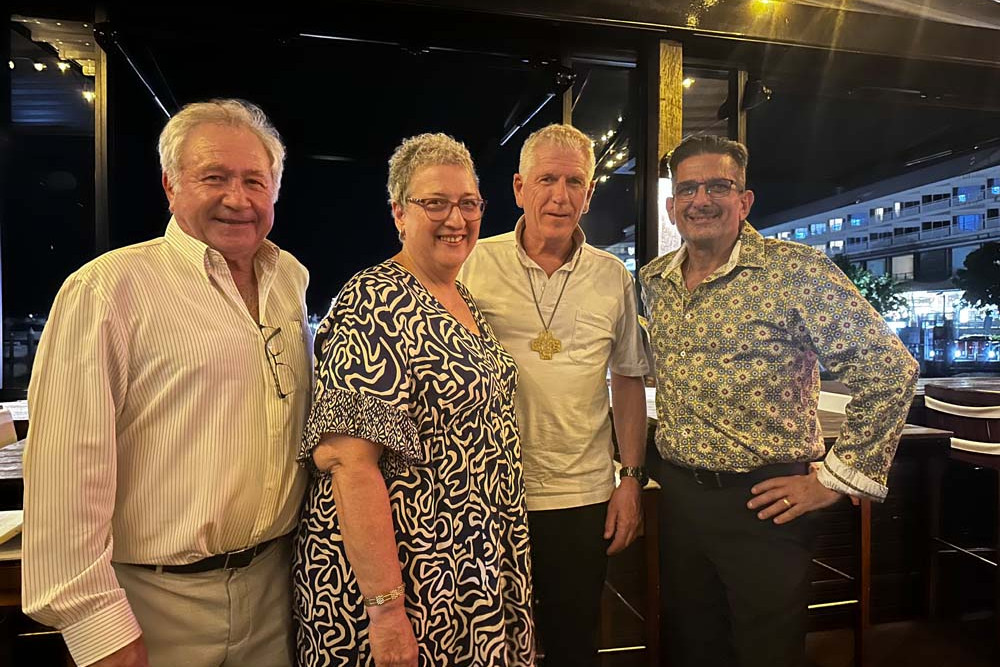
[[220, 618]]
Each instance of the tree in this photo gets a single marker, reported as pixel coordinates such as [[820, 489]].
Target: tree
[[882, 292], [981, 277]]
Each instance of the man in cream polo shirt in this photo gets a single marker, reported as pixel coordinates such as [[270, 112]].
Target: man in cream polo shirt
[[566, 311]]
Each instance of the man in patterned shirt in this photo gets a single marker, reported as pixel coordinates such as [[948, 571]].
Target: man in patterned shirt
[[738, 324]]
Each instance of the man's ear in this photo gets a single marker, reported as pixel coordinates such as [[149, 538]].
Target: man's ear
[[170, 191], [519, 190]]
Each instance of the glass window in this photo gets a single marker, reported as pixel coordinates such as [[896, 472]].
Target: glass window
[[836, 224], [837, 247], [857, 220], [601, 110], [902, 267], [817, 228], [801, 233], [969, 223], [876, 266], [49, 204]]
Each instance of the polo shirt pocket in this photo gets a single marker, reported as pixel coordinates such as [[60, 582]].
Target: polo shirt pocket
[[592, 337]]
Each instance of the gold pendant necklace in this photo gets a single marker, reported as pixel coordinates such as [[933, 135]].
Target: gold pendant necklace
[[545, 344]]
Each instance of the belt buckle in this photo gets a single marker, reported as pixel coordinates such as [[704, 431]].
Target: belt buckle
[[239, 559], [717, 482]]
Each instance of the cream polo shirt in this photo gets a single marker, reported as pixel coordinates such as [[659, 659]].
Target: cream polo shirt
[[157, 435], [562, 403]]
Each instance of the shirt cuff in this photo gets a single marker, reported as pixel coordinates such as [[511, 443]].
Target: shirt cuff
[[101, 634], [836, 475]]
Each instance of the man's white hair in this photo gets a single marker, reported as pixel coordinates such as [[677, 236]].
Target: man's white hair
[[563, 136], [231, 112]]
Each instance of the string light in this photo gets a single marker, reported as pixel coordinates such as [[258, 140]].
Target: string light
[[63, 66], [89, 95], [39, 67], [687, 82]]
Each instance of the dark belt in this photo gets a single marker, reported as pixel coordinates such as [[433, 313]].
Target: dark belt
[[722, 480], [232, 560]]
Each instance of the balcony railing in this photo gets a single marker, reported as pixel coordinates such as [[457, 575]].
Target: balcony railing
[[855, 245], [969, 199], [889, 215], [938, 205]]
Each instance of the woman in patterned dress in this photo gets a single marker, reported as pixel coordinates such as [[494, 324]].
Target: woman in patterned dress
[[413, 543]]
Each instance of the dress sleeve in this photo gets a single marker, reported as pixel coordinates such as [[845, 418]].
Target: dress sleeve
[[363, 385]]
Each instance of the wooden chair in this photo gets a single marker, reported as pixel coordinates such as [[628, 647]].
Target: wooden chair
[[973, 416]]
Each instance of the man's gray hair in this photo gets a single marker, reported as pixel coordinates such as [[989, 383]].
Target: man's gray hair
[[231, 112], [424, 150], [563, 136], [707, 144]]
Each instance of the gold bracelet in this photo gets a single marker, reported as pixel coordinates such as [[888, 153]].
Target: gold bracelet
[[383, 598]]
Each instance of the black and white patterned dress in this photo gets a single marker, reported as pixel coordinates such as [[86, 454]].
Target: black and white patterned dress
[[394, 367]]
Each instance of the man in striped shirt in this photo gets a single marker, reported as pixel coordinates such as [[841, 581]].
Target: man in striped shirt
[[167, 403]]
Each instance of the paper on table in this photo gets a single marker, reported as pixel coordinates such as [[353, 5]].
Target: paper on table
[[18, 410], [10, 524]]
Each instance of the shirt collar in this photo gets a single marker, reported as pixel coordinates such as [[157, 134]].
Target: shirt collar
[[579, 238], [748, 251], [205, 257]]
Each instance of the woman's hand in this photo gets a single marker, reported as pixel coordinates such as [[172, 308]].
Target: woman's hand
[[391, 636]]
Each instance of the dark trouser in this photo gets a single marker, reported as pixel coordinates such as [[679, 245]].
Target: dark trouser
[[734, 589], [568, 566]]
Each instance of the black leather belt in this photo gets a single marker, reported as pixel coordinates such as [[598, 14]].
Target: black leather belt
[[723, 480], [232, 560]]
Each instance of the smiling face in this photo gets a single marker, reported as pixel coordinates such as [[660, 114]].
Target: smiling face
[[705, 221], [438, 248], [224, 196], [555, 193]]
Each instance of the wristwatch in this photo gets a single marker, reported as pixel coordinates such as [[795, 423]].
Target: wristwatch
[[638, 472]]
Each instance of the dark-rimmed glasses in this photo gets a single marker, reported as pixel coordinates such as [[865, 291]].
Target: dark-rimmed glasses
[[438, 209], [273, 347], [717, 188]]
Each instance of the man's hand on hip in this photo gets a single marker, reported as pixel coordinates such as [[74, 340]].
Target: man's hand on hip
[[787, 498], [624, 515], [132, 654]]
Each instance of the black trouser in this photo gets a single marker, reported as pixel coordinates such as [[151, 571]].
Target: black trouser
[[734, 589], [568, 567]]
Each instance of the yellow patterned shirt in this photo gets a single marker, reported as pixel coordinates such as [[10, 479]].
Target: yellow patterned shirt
[[737, 372]]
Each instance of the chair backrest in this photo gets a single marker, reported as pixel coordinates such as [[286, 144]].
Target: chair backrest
[[968, 413]]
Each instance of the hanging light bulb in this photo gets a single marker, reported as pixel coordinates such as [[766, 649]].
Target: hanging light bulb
[[63, 66], [89, 95], [39, 67]]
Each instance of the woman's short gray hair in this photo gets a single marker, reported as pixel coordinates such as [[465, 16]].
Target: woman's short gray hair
[[232, 112], [563, 136], [424, 150]]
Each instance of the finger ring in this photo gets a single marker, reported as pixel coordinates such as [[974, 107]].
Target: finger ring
[[785, 500]]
